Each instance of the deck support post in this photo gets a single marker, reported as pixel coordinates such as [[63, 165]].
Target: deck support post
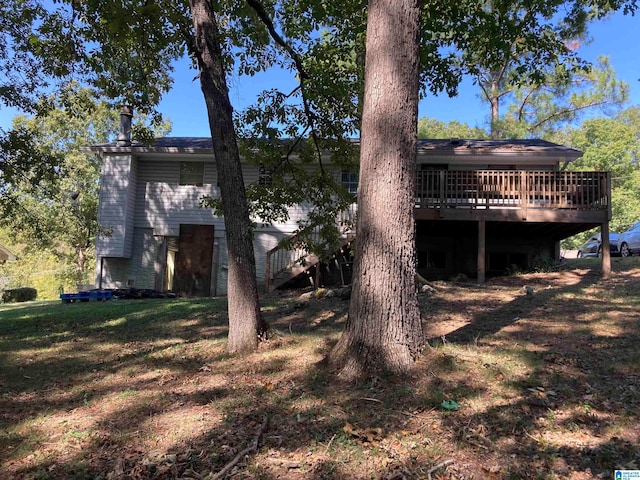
[[481, 250], [606, 252]]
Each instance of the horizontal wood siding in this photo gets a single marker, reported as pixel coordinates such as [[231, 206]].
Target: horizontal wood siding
[[167, 172], [164, 206], [139, 269], [131, 209], [157, 171], [145, 252], [116, 206]]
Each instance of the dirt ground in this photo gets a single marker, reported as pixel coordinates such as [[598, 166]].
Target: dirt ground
[[534, 376]]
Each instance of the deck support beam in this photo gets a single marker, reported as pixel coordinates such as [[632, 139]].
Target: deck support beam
[[606, 251], [482, 230]]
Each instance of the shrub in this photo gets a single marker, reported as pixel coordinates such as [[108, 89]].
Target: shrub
[[23, 294]]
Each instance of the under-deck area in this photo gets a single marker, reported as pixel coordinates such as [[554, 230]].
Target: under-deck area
[[490, 221]]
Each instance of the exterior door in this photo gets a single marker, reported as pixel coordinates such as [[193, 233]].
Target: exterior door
[[192, 277]]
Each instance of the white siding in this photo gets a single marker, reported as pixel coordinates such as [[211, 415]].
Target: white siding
[[145, 247], [164, 206], [143, 200], [169, 172], [117, 205], [137, 271]]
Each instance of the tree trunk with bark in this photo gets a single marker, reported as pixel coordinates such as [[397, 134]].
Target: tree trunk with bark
[[384, 329], [246, 324], [494, 102]]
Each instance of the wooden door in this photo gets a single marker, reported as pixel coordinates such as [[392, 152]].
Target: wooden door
[[192, 277]]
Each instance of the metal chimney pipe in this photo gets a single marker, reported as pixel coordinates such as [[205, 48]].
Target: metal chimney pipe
[[124, 138]]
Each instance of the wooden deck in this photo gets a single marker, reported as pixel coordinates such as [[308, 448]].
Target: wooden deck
[[579, 200]]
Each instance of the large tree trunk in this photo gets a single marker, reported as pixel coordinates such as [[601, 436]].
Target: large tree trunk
[[384, 329], [245, 321]]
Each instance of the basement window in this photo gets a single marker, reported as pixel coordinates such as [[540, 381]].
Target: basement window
[[192, 173]]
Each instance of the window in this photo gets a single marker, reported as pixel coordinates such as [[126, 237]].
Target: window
[[350, 182], [192, 173], [264, 176]]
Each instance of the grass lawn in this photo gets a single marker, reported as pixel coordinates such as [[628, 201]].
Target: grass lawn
[[547, 385]]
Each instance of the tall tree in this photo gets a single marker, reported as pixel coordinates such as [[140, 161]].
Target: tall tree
[[540, 110], [245, 320], [514, 48], [384, 330], [432, 128]]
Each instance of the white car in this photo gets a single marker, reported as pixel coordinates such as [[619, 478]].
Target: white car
[[629, 241]]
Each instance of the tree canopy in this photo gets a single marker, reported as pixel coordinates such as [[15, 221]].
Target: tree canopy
[[58, 212]]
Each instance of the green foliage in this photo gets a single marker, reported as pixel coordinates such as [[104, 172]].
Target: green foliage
[[613, 144], [15, 295], [41, 269], [57, 212], [564, 99], [525, 55], [22, 75], [432, 128]]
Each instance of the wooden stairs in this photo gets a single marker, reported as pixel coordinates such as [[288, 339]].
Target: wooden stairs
[[284, 265]]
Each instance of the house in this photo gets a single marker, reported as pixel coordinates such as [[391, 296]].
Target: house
[[482, 207]]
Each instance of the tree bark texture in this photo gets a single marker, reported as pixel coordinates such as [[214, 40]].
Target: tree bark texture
[[245, 321], [384, 329], [495, 108]]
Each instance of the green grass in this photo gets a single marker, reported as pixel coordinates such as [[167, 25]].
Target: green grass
[[41, 343]]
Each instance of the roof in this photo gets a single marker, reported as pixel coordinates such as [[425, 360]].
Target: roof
[[5, 254], [461, 146], [425, 146]]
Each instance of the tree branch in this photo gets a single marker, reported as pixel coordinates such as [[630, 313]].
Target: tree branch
[[565, 112], [250, 449], [258, 7]]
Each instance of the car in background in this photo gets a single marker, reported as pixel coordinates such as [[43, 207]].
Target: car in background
[[629, 241], [593, 246]]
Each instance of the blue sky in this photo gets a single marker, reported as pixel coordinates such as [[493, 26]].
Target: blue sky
[[617, 37]]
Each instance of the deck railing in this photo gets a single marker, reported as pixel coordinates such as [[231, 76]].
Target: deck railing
[[512, 189]]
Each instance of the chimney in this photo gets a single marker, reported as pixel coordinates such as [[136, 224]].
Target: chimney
[[124, 138]]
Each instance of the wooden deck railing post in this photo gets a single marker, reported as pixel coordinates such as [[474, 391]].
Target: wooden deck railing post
[[524, 194], [441, 175]]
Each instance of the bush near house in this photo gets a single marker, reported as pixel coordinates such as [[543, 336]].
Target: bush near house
[[23, 294]]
